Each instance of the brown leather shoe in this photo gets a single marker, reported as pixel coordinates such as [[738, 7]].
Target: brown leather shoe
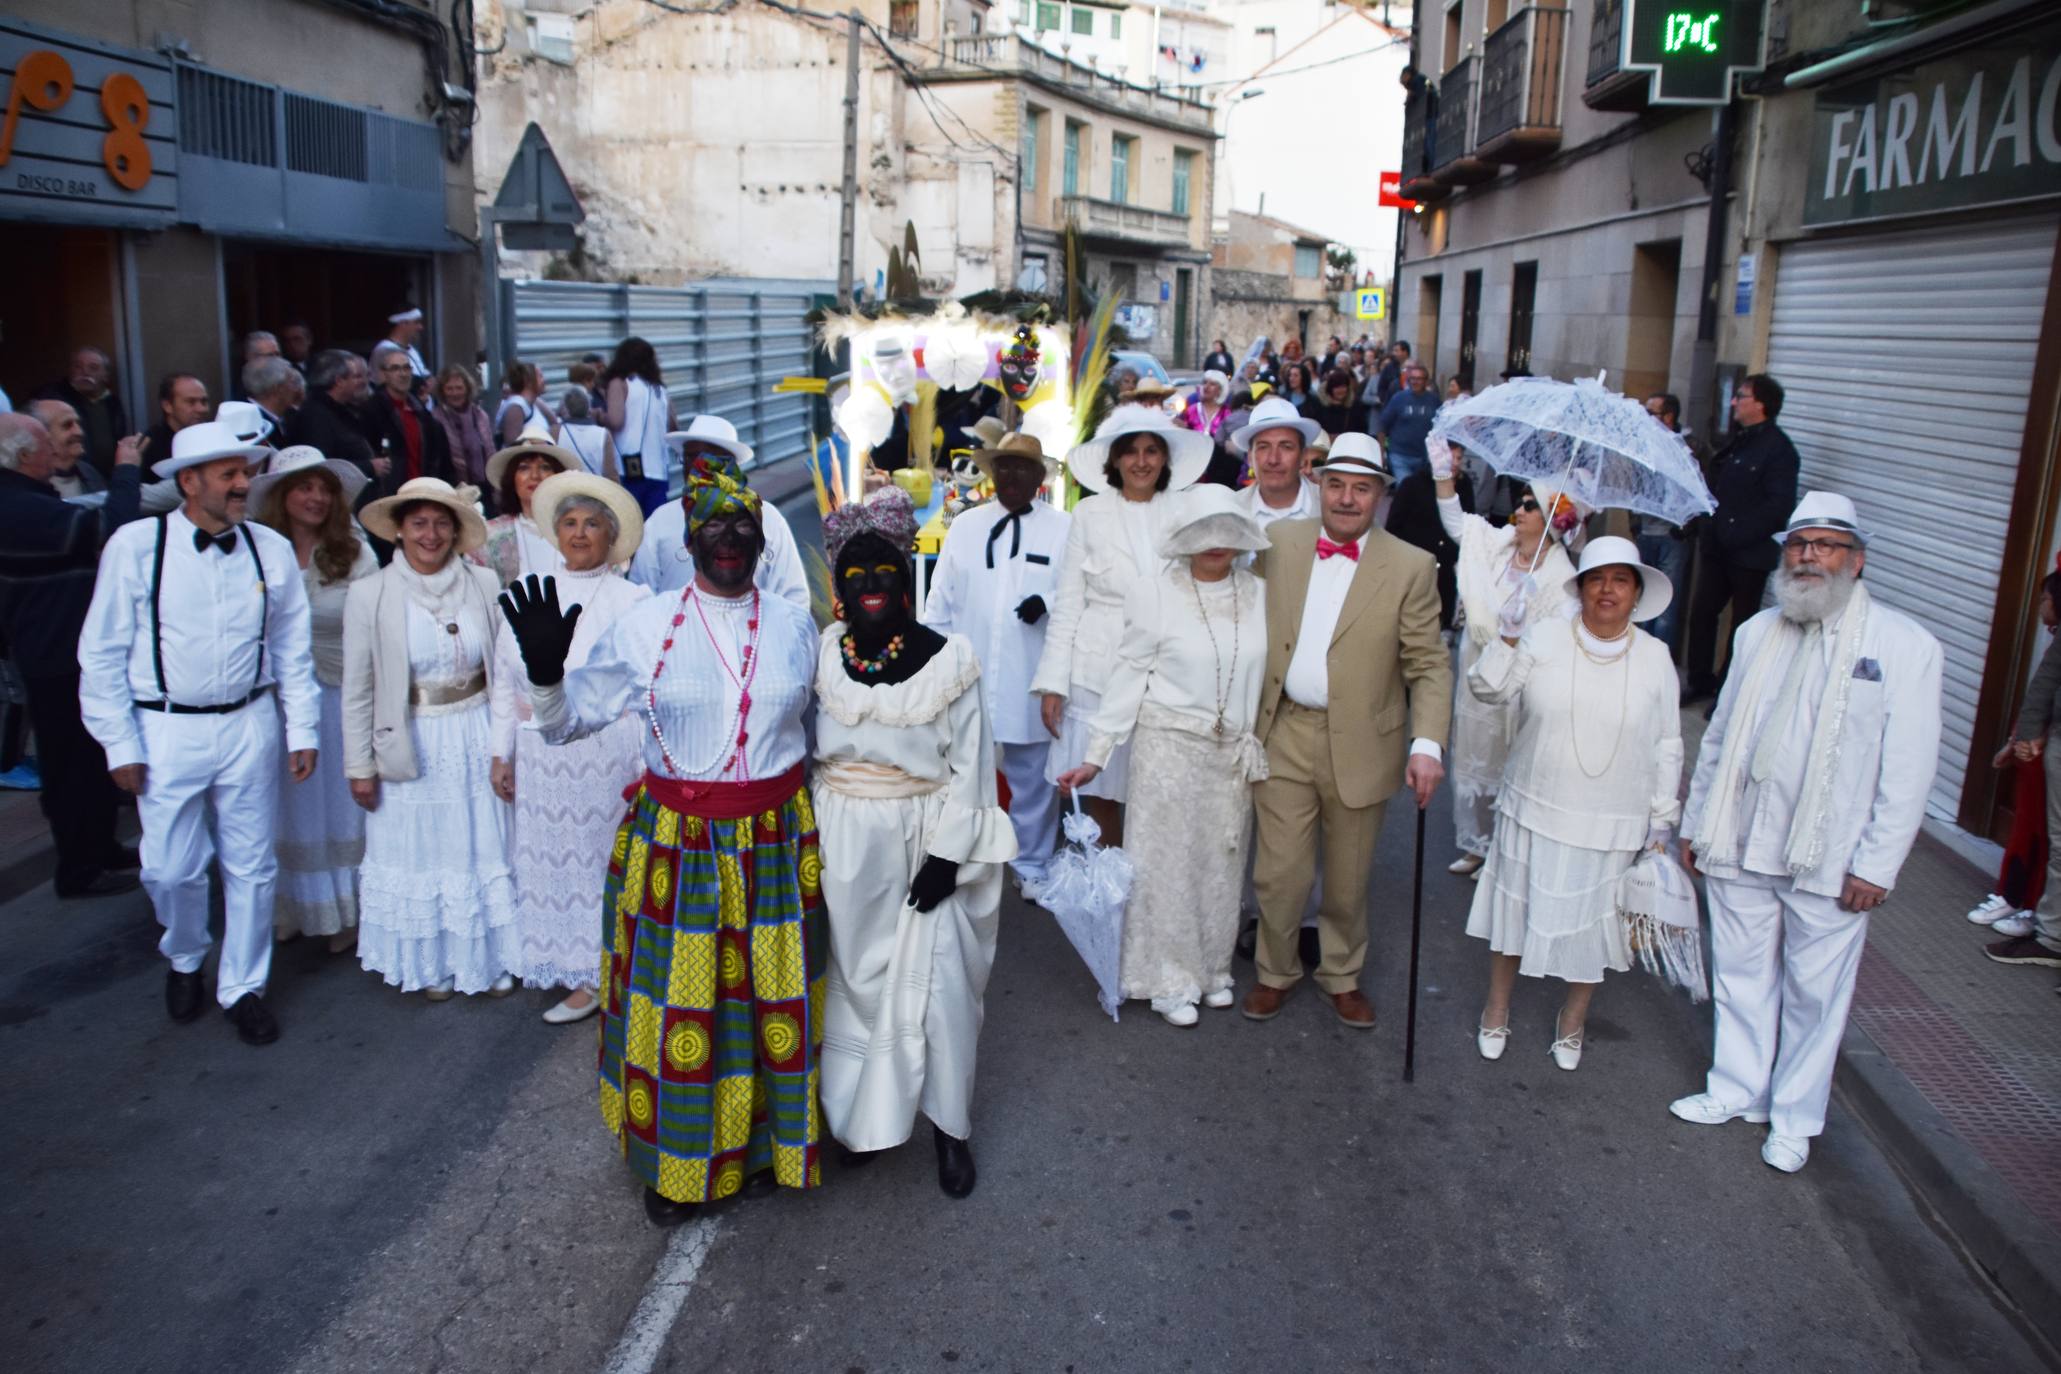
[[1263, 1003], [1353, 1009]]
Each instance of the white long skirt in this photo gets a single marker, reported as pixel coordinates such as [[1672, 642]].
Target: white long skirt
[[321, 838], [568, 804], [1070, 750], [1187, 829], [1552, 904], [436, 899], [1482, 736]]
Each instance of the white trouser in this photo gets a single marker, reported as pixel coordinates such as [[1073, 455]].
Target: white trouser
[[211, 793], [1783, 967], [1033, 807]]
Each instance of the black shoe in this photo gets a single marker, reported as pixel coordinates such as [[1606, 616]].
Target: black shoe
[[955, 1173], [760, 1184], [1248, 940], [184, 995], [663, 1211], [2023, 949], [103, 884], [254, 1023], [122, 858], [1308, 949]]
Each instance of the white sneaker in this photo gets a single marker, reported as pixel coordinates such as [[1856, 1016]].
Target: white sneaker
[[1567, 1051], [1221, 998], [2014, 925], [1183, 1015], [1492, 1040], [1785, 1152], [1993, 909], [1704, 1110]]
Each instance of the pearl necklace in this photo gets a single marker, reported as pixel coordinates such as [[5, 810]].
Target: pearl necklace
[[1574, 696], [749, 668], [1221, 681]]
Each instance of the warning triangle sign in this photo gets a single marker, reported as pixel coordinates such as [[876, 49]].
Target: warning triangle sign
[[535, 190]]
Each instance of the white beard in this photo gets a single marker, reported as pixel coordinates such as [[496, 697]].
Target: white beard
[[1806, 598]]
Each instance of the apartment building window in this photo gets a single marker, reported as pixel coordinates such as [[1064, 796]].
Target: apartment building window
[[1309, 260], [1070, 177], [1033, 137], [1048, 16], [1084, 20], [901, 19], [1116, 26], [1524, 291], [1120, 169], [1184, 171]]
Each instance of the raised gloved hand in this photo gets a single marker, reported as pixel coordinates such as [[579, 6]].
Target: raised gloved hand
[[542, 631], [1510, 621], [1441, 454], [935, 881], [1031, 610]]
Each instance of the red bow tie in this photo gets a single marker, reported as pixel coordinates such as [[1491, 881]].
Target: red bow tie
[[1325, 548]]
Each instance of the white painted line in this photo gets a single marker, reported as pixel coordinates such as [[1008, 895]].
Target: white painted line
[[644, 1339]]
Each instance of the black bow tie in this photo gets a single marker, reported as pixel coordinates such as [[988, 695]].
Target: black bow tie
[[1012, 522], [203, 541]]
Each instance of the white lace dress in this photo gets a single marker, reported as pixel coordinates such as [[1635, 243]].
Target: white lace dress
[[1188, 822], [568, 797], [436, 898]]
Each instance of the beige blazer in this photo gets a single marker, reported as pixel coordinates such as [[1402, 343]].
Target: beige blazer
[[377, 740], [1391, 679]]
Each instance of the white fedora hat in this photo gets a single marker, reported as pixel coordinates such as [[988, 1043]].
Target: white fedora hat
[[207, 442], [535, 439], [629, 519], [1655, 590], [715, 431], [1272, 413], [1188, 450], [298, 459], [1210, 515], [379, 516], [1357, 452], [1818, 510], [245, 419]]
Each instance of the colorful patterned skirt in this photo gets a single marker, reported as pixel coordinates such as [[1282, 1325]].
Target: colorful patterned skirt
[[712, 976]]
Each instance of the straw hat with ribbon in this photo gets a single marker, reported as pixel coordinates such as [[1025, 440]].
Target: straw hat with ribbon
[[1015, 446], [629, 519], [297, 461], [381, 518], [1188, 450], [535, 439]]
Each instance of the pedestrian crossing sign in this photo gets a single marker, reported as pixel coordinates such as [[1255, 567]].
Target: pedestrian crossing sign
[[1371, 304]]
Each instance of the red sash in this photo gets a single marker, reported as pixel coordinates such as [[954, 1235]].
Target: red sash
[[719, 801]]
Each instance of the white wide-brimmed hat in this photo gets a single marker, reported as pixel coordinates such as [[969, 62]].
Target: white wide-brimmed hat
[[1357, 452], [535, 439], [1015, 446], [629, 518], [379, 517], [1207, 516], [1188, 450], [1272, 413], [298, 460], [1818, 510], [1655, 590], [715, 431], [205, 443], [246, 419]]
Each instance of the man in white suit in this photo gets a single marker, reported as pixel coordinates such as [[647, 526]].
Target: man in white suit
[[1809, 790]]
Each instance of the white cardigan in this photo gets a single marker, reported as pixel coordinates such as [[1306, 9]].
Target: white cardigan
[[1108, 549], [1545, 787]]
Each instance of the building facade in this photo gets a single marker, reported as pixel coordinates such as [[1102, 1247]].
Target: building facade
[[179, 176], [1270, 280]]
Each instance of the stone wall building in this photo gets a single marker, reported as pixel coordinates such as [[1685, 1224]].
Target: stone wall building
[[1270, 280]]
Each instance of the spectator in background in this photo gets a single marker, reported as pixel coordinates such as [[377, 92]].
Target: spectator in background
[[639, 413], [1753, 478], [1296, 387], [276, 388], [71, 475], [1404, 422], [522, 408], [468, 433], [597, 399], [399, 427], [1389, 379], [1219, 359], [182, 400], [2012, 910], [404, 332], [590, 442], [1660, 543], [86, 389], [49, 551], [1335, 410], [2034, 937], [297, 346], [258, 344], [1122, 383], [329, 419]]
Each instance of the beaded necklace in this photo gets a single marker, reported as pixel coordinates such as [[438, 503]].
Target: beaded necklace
[[741, 678], [870, 666]]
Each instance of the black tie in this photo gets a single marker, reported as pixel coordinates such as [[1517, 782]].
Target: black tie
[[203, 541], [1012, 522]]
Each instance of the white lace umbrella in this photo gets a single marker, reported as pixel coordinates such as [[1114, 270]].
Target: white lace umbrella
[[1086, 888], [1602, 449]]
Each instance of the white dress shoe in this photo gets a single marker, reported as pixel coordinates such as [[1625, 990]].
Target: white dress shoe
[[501, 986], [2014, 925], [1992, 909], [1466, 864], [565, 1013], [1492, 1040], [1183, 1015], [1567, 1051], [1785, 1152], [442, 991], [1704, 1110], [1221, 998]]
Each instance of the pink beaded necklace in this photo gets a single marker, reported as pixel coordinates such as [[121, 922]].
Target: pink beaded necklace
[[741, 678]]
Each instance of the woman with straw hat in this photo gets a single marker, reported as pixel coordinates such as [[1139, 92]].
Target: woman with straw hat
[[1136, 457], [1187, 682], [307, 498], [436, 898], [568, 798], [515, 546], [1495, 563], [1591, 782]]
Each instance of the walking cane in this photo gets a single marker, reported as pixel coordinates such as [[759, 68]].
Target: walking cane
[[1416, 931]]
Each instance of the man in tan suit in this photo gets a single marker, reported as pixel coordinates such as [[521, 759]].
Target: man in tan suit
[[1357, 701]]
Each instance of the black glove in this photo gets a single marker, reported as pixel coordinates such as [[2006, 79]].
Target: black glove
[[1031, 610], [542, 633], [935, 881]]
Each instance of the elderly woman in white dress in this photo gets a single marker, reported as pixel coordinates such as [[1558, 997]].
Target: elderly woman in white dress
[[1495, 562], [1184, 692], [1137, 457], [1592, 780], [515, 546], [913, 840], [307, 498], [436, 904], [568, 798]]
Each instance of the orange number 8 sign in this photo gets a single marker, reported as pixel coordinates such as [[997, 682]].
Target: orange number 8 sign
[[43, 81]]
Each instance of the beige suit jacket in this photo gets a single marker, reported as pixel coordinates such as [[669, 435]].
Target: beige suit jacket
[[1391, 678]]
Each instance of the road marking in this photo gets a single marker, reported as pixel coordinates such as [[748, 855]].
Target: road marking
[[644, 1339]]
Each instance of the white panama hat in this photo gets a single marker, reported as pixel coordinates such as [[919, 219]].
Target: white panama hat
[[1357, 452], [1188, 451], [205, 443], [1272, 412], [715, 431], [298, 460], [1824, 510], [1656, 591]]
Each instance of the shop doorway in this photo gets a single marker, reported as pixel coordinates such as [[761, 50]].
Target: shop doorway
[[1470, 325], [1430, 291], [1650, 330], [343, 297], [71, 297]]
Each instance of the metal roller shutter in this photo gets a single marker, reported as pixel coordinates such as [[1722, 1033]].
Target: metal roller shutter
[[1907, 359]]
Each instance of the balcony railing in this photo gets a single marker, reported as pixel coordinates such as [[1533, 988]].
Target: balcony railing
[[1609, 86], [1420, 113], [1009, 55], [1520, 86], [1452, 154], [1130, 223]]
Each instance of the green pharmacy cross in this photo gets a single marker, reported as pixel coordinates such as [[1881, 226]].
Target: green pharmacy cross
[[1694, 48]]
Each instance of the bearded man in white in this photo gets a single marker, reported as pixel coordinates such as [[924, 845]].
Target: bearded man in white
[[1808, 793]]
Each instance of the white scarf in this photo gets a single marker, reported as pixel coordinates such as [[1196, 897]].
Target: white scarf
[[1720, 836], [440, 593]]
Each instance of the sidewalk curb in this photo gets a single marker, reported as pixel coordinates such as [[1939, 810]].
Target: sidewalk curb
[[2021, 1254]]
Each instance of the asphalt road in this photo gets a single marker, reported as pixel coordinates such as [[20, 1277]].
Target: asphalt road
[[401, 1186]]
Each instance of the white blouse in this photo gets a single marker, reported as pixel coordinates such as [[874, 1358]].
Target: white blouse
[[1598, 757], [605, 596], [1189, 650]]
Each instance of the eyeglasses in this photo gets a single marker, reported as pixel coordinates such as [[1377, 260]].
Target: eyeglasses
[[1527, 503], [1818, 548]]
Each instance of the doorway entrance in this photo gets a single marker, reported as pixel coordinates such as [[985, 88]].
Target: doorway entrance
[[1650, 328], [342, 296], [1470, 325]]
